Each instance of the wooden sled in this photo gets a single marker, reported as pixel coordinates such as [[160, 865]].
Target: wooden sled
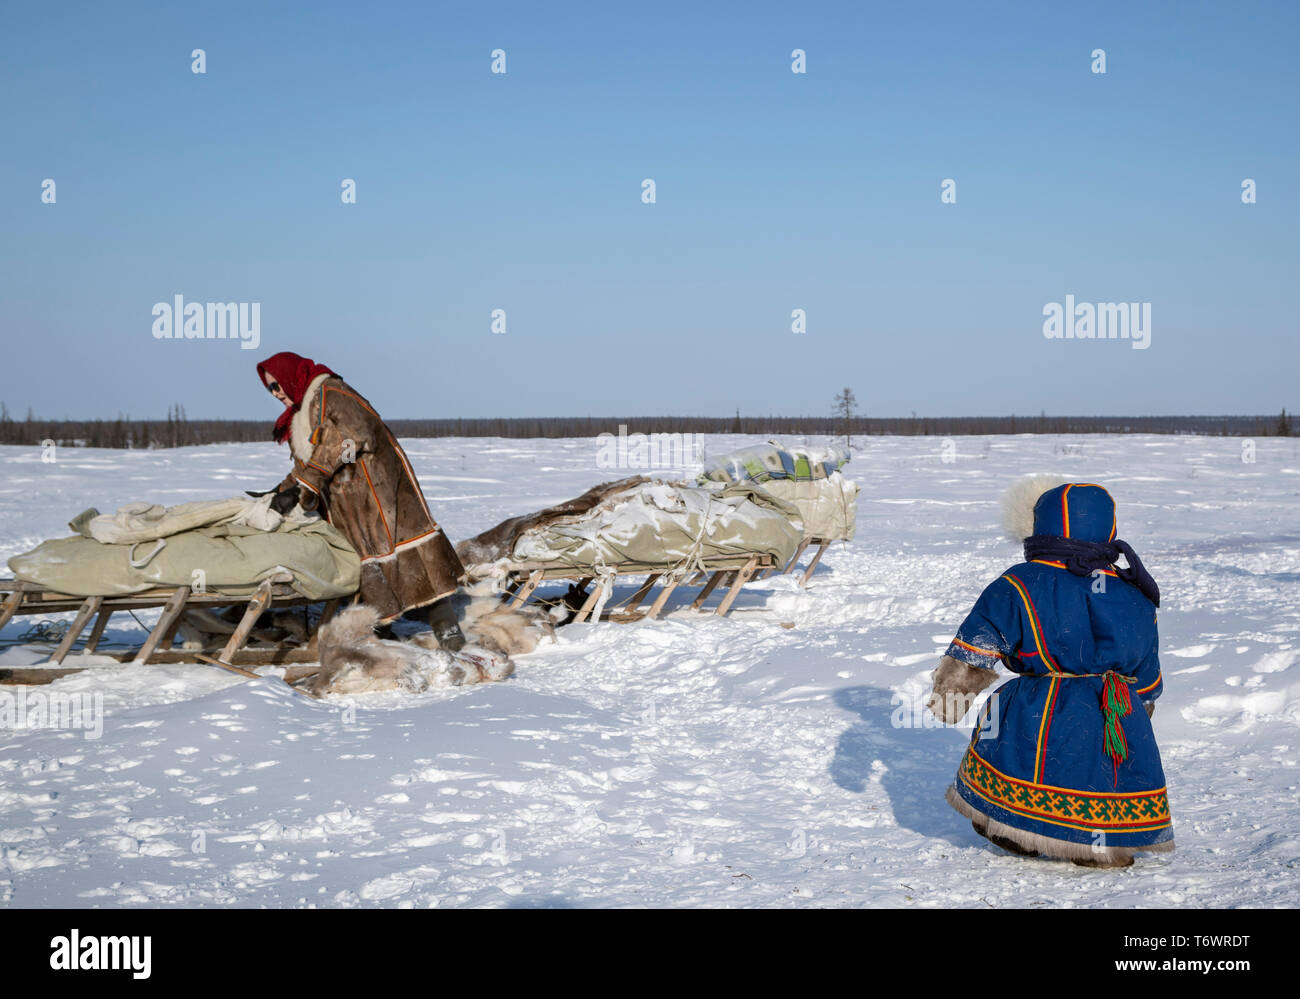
[[24, 599], [730, 573]]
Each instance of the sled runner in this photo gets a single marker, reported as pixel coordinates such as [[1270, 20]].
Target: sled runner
[[728, 572], [275, 593]]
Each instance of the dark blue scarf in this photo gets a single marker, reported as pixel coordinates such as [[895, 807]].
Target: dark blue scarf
[[1085, 557]]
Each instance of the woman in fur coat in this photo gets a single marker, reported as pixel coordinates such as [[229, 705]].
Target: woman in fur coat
[[348, 465], [1063, 761]]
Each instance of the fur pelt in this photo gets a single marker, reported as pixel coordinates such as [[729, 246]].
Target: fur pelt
[[1086, 854], [355, 660], [956, 685], [499, 542], [1018, 504], [489, 623]]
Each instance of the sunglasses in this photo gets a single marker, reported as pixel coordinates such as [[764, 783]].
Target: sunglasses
[[273, 387]]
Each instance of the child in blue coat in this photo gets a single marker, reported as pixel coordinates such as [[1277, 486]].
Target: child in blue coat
[[1063, 761]]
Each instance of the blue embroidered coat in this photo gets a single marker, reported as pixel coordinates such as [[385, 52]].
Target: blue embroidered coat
[[1037, 759]]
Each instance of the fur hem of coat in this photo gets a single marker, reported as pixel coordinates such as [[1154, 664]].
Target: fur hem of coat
[[439, 592], [1110, 856], [381, 575]]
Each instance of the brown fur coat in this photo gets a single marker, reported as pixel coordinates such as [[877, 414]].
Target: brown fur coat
[[348, 463]]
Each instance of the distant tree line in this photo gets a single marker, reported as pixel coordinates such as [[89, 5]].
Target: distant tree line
[[177, 430]]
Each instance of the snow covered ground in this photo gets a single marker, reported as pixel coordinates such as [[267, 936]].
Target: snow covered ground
[[693, 761]]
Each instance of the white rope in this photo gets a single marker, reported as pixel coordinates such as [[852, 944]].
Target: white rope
[[140, 563], [693, 561], [605, 580]]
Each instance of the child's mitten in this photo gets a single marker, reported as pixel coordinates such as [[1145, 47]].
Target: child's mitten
[[956, 685]]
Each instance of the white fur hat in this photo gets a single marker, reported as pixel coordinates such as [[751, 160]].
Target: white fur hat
[[1018, 503]]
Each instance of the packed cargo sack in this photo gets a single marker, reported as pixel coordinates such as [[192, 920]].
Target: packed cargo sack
[[810, 479], [230, 546], [640, 522]]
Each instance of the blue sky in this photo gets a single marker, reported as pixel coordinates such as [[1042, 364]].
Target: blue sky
[[775, 191]]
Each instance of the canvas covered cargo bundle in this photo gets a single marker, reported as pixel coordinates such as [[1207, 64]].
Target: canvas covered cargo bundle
[[639, 522], [810, 479], [229, 546]]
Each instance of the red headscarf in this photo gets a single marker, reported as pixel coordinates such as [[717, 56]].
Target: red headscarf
[[294, 373]]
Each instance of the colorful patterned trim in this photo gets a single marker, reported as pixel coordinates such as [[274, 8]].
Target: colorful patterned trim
[[1139, 811]]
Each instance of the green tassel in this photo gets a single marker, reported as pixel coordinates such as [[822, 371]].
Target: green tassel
[[1115, 704]]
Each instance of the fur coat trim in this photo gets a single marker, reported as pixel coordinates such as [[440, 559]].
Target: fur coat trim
[[300, 428], [1077, 815], [1105, 856]]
